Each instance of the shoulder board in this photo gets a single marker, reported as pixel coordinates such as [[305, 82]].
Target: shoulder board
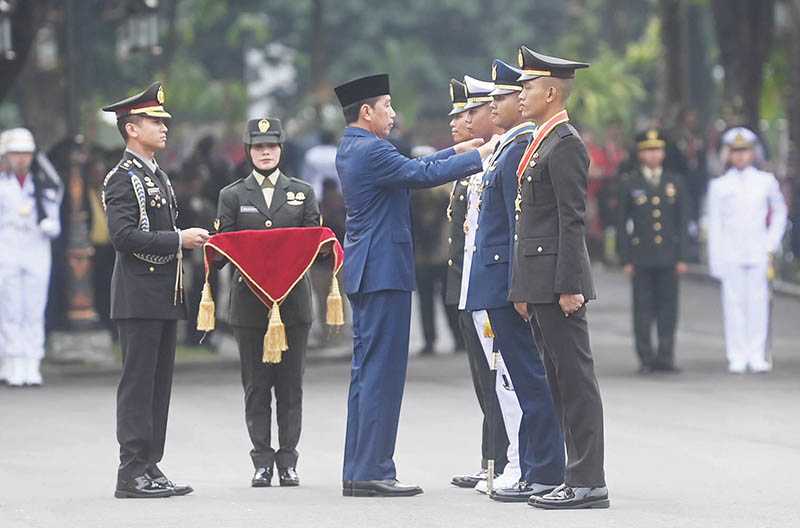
[[564, 131], [125, 164], [300, 182], [234, 184], [137, 163], [525, 137]]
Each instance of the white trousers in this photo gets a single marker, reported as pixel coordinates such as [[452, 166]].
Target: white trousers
[[23, 299], [506, 397], [745, 305]]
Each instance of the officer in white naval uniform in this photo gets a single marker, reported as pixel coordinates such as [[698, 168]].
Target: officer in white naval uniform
[[746, 221], [30, 197], [480, 123]]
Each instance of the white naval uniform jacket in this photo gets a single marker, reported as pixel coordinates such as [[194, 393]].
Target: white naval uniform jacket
[[746, 219], [25, 240]]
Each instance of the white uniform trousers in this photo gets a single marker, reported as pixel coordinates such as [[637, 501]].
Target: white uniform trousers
[[745, 304], [23, 294], [506, 397]]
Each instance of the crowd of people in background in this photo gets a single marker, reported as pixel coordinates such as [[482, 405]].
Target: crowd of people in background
[[209, 167]]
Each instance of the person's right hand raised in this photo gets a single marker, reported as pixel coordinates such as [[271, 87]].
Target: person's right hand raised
[[194, 237], [487, 148], [466, 146]]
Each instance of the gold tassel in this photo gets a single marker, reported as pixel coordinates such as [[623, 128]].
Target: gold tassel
[[335, 313], [205, 314], [275, 338], [487, 329]]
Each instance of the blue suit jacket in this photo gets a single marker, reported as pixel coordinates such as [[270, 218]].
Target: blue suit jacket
[[490, 274], [376, 179]]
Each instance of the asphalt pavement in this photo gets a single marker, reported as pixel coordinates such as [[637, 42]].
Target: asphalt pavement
[[703, 448]]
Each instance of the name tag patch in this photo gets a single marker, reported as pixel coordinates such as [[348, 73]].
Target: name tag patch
[[248, 209]]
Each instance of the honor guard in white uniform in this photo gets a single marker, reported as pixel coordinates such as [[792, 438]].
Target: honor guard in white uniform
[[746, 221], [30, 198]]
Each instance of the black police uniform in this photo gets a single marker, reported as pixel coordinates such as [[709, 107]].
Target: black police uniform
[[146, 301], [242, 206], [550, 258], [652, 236], [483, 379]]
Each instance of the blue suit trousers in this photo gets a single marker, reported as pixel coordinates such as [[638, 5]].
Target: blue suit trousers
[[381, 325], [541, 442]]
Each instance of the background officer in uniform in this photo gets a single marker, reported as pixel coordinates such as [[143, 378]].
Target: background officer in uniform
[[146, 291], [746, 222], [267, 199], [379, 274], [551, 275], [30, 197], [653, 244], [483, 379]]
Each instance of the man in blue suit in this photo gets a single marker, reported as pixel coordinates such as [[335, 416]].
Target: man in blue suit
[[485, 294], [379, 273]]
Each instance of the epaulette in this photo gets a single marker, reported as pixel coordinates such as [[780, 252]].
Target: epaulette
[[301, 182], [525, 137], [125, 164], [564, 131], [234, 184], [137, 163]]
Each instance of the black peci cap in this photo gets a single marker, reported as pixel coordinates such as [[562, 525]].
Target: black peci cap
[[363, 88]]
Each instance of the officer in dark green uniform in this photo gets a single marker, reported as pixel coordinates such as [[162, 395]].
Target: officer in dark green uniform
[[653, 242], [267, 199]]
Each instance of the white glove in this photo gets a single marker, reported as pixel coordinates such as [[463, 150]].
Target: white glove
[[50, 227]]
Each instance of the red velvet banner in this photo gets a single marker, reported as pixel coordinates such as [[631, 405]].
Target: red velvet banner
[[273, 261]]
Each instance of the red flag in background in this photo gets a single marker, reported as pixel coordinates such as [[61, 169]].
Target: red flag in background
[[272, 262]]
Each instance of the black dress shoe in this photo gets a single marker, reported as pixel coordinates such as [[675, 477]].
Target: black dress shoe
[[646, 369], [262, 478], [521, 492], [381, 488], [468, 481], [667, 367], [288, 477], [163, 481], [568, 498], [142, 488]]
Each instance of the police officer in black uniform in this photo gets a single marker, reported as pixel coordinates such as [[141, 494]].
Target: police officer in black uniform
[[653, 242], [147, 296], [551, 276], [267, 199], [483, 379]]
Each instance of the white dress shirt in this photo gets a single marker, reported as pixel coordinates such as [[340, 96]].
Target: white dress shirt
[[267, 191]]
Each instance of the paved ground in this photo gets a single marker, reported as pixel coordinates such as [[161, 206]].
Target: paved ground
[[702, 449]]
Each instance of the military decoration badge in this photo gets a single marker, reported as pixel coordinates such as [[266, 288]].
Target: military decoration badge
[[670, 190], [295, 198]]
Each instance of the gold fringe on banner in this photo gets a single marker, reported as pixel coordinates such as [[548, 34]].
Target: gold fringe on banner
[[275, 339], [335, 313], [205, 314]]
